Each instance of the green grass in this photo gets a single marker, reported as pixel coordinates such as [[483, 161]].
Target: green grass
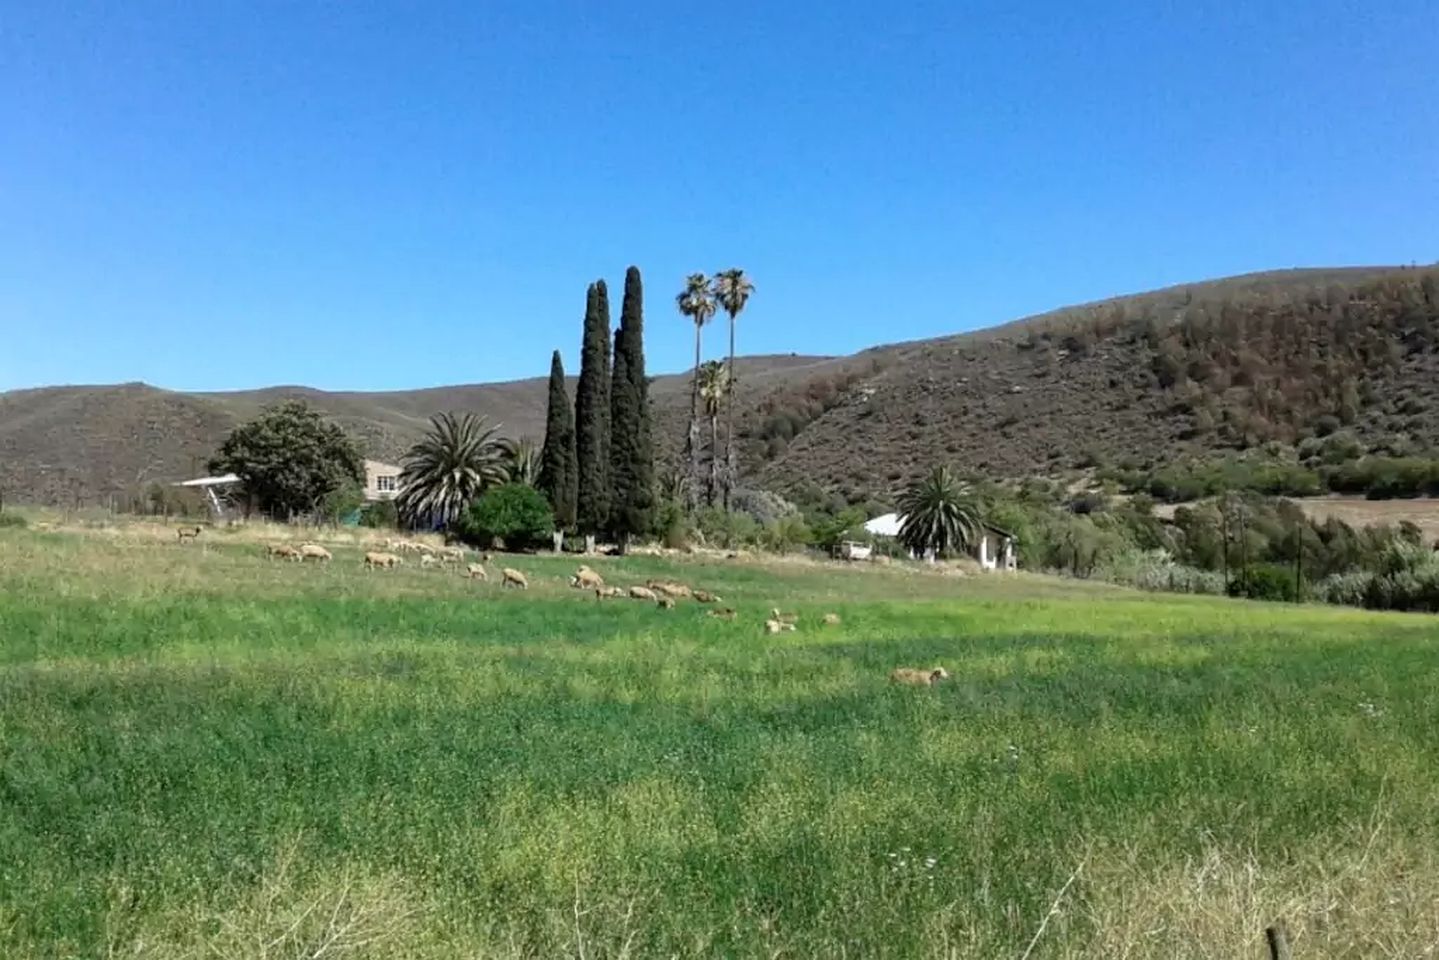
[[202, 752]]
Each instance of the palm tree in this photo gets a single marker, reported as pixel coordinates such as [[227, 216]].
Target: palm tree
[[732, 290], [522, 461], [938, 514], [458, 459], [696, 302], [714, 388]]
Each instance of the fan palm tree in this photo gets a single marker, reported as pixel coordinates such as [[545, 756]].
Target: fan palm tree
[[714, 388], [938, 514], [522, 461], [731, 290], [458, 459], [696, 302]]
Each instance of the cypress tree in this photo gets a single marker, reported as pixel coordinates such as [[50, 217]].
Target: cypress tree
[[592, 416], [559, 474], [631, 451]]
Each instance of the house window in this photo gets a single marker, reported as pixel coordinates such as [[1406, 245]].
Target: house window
[[385, 483]]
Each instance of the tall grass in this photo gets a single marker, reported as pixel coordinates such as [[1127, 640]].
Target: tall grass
[[203, 753]]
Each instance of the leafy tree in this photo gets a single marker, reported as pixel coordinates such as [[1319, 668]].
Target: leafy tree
[[522, 461], [632, 468], [732, 290], [341, 502], [289, 459], [379, 513], [458, 459], [938, 514], [559, 472], [592, 417], [714, 388], [513, 512], [697, 303]]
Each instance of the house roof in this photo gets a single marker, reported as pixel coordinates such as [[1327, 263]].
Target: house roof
[[219, 481]]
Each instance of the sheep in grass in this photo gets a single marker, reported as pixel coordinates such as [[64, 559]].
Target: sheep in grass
[[514, 578], [918, 678], [477, 571], [313, 551]]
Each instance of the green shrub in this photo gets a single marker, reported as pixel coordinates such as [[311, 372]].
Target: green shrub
[[785, 535], [11, 520], [515, 513], [379, 514]]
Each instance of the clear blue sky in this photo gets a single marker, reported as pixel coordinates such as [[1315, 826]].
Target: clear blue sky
[[359, 195]]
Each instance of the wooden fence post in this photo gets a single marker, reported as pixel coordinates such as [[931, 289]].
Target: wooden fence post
[[1278, 939]]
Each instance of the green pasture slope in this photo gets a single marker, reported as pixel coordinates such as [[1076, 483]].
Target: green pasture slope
[[206, 754]]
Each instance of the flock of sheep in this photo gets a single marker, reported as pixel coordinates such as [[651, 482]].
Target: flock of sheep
[[662, 593]]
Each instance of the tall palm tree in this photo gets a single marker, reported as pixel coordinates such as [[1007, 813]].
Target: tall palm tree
[[458, 459], [522, 461], [938, 514], [696, 302], [732, 290], [714, 389]]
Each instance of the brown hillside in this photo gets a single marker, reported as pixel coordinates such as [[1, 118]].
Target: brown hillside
[[1191, 369]]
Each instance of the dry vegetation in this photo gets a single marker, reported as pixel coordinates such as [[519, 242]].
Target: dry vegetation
[[206, 754]]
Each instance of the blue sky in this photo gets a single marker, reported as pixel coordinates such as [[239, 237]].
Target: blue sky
[[224, 195]]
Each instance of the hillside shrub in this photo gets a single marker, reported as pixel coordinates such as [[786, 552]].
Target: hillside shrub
[[13, 520], [514, 513], [765, 507]]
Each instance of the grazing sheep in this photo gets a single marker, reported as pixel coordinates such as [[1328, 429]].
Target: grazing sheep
[[777, 626], [670, 588], [789, 618], [452, 555], [313, 551], [665, 603], [477, 571], [514, 578], [375, 559], [643, 593], [282, 551], [704, 596], [428, 560], [424, 548], [918, 678], [587, 579], [602, 593], [188, 533], [831, 619], [723, 613]]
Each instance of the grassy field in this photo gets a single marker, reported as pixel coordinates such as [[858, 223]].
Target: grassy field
[[205, 754]]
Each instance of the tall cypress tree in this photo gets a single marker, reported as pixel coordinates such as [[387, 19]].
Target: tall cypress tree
[[632, 469], [592, 416], [559, 474]]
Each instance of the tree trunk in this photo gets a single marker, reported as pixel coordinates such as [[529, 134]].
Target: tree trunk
[[714, 457], [559, 540], [731, 470], [589, 543], [692, 442]]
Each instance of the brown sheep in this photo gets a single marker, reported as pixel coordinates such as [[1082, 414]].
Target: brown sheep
[[831, 619], [643, 593], [704, 596], [670, 589], [313, 551], [514, 578], [723, 613], [477, 571], [665, 603], [918, 678], [603, 593], [375, 559], [188, 533], [587, 579], [282, 551]]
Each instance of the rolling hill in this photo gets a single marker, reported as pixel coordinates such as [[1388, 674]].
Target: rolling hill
[[1218, 365]]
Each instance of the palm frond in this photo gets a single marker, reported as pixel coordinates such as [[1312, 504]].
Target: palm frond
[[458, 459]]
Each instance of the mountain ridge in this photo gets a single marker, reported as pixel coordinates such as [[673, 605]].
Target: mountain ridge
[[1035, 395]]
